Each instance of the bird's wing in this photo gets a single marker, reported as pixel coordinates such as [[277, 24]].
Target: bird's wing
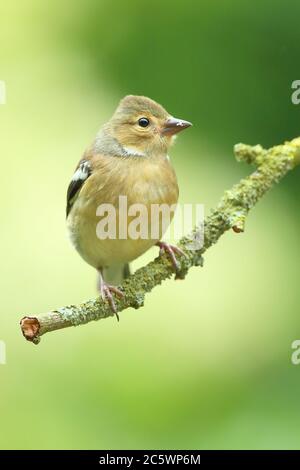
[[82, 172]]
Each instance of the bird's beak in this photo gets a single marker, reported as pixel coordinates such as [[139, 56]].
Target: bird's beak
[[174, 125]]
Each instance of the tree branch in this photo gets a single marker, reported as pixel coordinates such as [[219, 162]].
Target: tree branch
[[271, 166]]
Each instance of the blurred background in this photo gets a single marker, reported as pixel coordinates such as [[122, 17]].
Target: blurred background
[[207, 362]]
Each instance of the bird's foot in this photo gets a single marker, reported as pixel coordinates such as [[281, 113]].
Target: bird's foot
[[171, 251], [106, 291]]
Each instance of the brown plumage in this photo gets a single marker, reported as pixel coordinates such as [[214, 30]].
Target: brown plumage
[[129, 157]]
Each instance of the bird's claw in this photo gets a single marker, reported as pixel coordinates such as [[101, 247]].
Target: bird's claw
[[106, 291], [171, 251]]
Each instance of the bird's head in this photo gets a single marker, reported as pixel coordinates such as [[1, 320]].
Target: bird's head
[[144, 127]]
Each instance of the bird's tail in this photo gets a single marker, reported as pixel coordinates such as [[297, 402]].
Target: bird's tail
[[116, 274]]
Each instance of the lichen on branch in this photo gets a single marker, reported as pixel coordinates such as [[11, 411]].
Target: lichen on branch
[[231, 212]]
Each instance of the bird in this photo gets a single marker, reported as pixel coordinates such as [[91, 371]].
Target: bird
[[129, 157]]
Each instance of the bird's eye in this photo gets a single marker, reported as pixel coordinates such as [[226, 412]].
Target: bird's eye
[[144, 122]]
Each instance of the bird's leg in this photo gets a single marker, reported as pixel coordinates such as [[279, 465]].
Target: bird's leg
[[106, 291], [172, 251]]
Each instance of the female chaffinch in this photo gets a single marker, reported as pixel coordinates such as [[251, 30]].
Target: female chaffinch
[[128, 157]]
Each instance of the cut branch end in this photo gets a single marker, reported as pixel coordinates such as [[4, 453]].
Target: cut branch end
[[30, 328]]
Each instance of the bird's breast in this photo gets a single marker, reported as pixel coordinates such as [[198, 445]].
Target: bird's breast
[[134, 185]]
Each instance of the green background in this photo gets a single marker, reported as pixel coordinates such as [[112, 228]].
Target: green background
[[207, 362]]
